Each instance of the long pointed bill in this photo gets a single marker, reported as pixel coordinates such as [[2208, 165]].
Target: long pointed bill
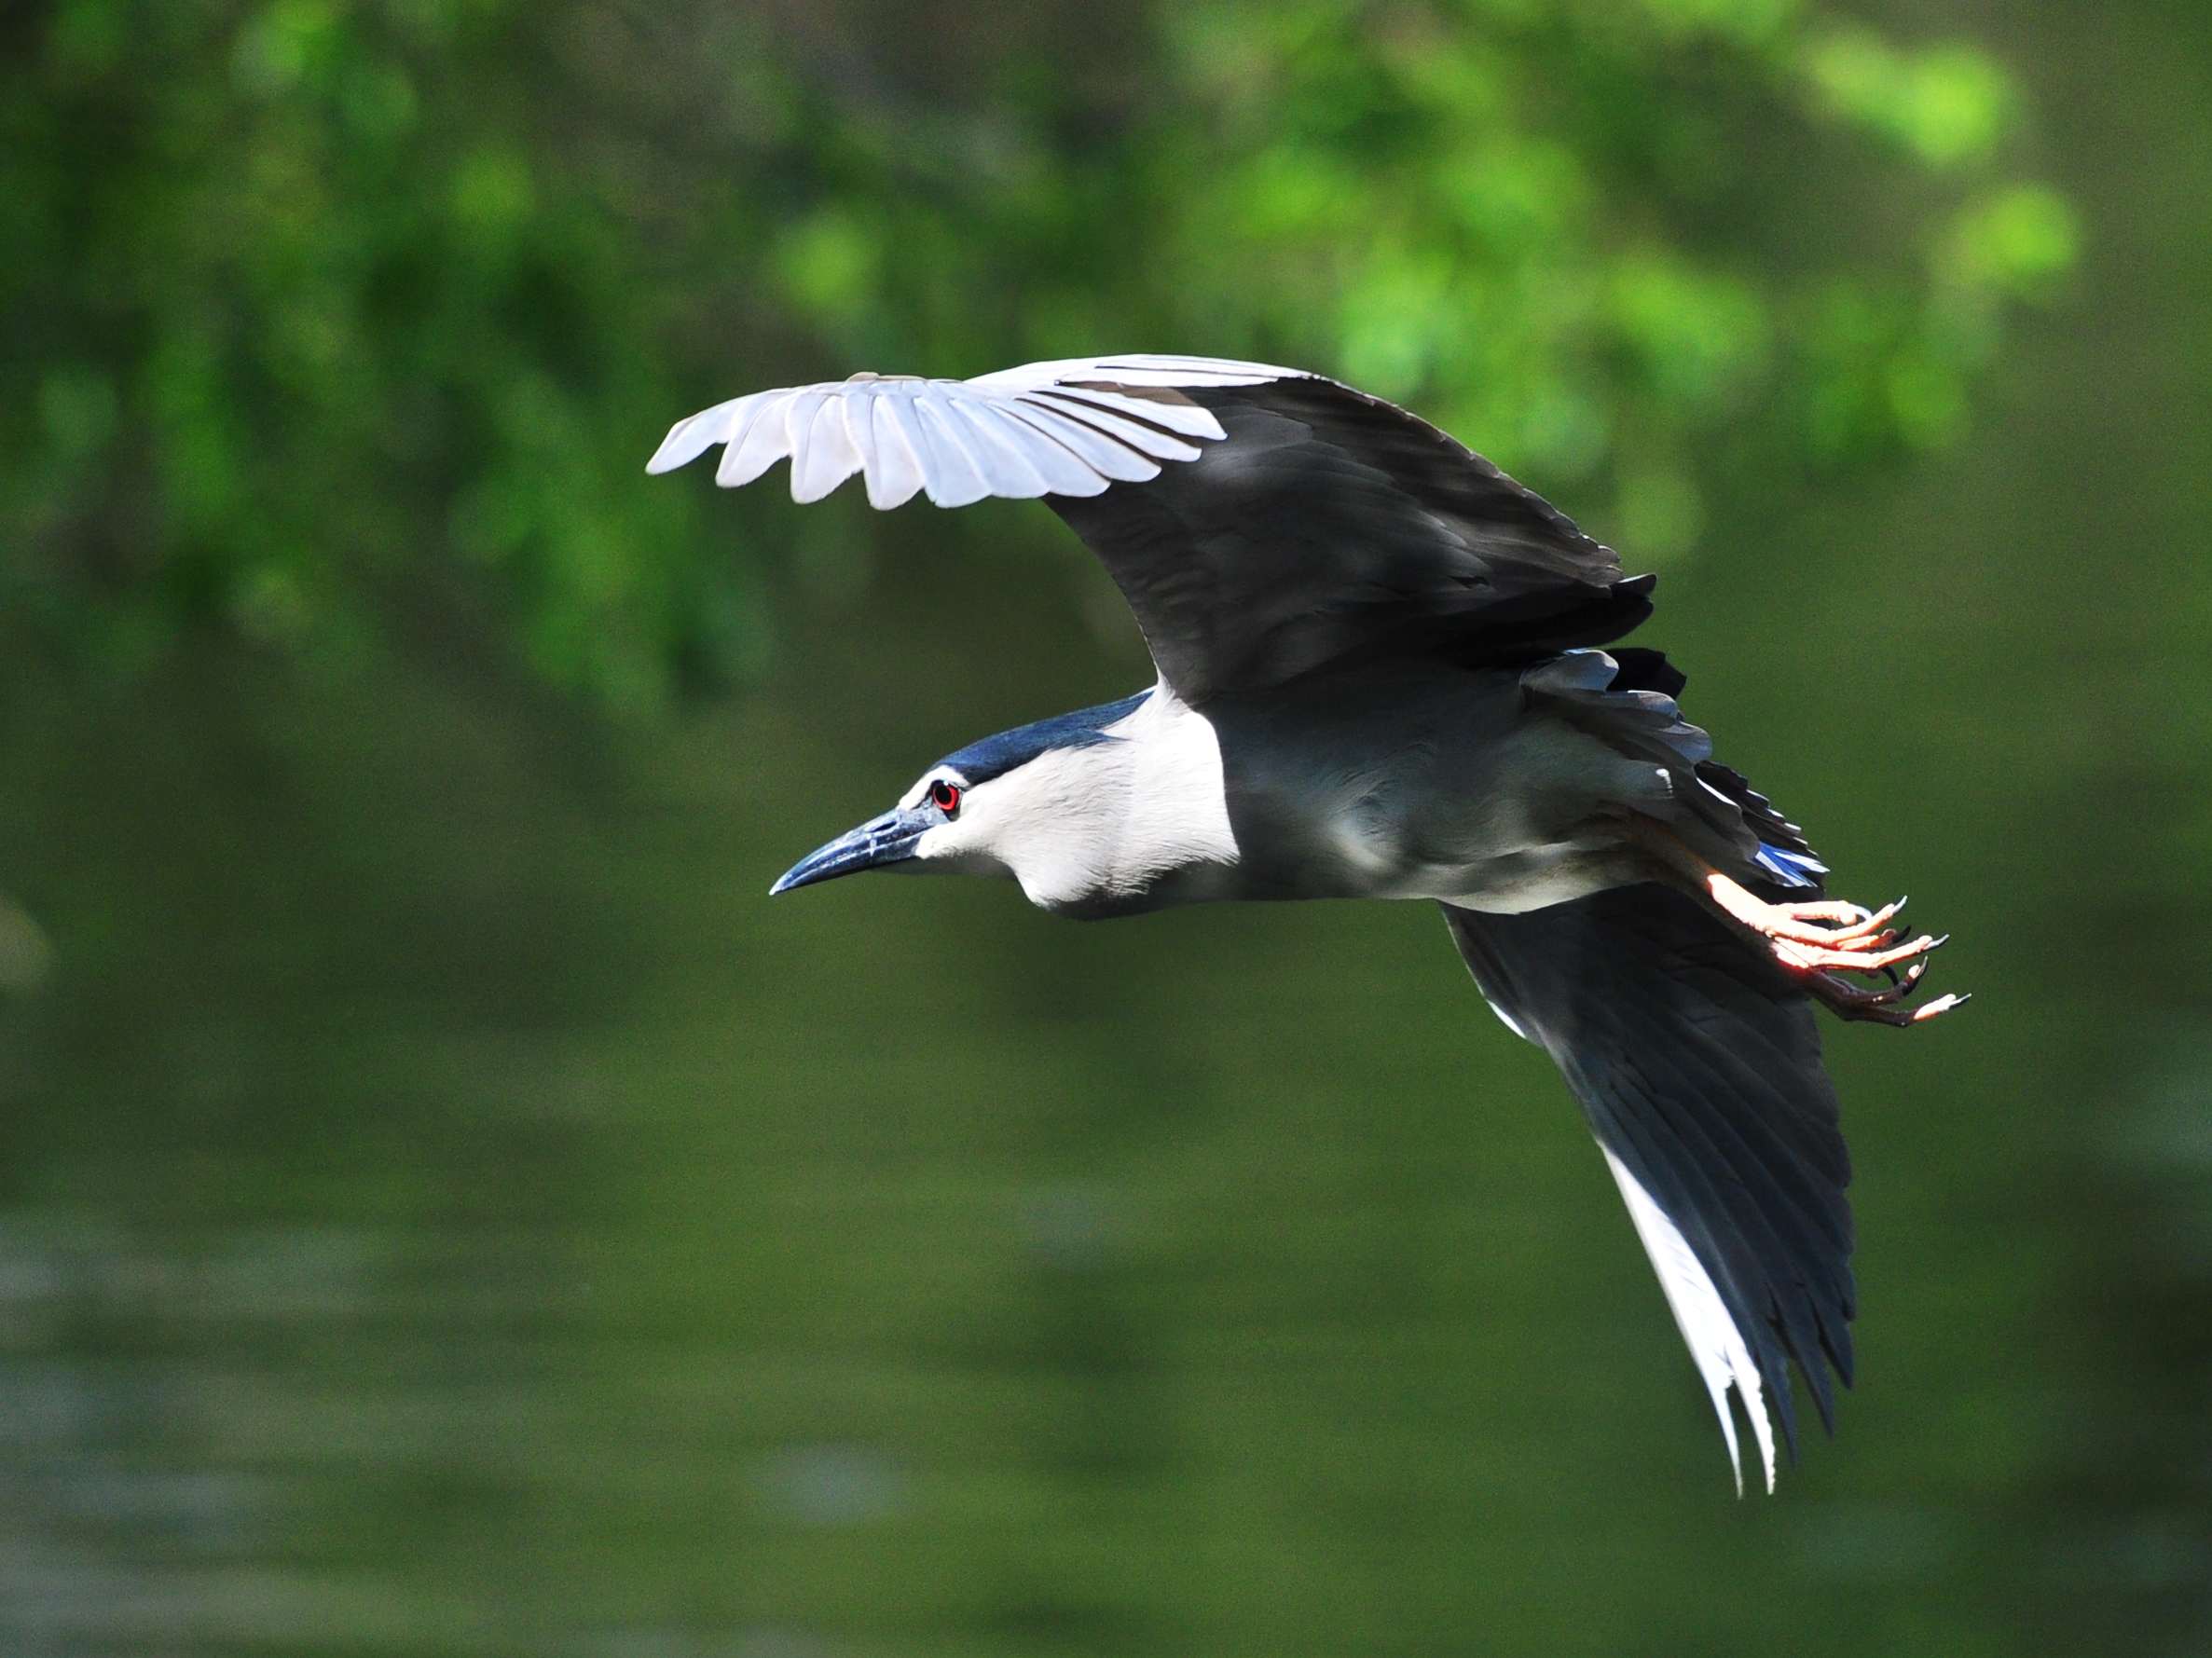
[[886, 840]]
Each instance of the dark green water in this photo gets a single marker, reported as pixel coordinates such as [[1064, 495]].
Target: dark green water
[[450, 1210], [444, 1208]]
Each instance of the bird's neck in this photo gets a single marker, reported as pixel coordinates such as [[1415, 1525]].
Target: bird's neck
[[1133, 823]]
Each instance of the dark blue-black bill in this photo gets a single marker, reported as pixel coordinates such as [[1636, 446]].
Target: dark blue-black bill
[[886, 840]]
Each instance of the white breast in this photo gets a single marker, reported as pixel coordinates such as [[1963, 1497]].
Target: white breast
[[1177, 806], [1102, 824]]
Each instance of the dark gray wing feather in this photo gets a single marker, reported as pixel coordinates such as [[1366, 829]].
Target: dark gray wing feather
[[1330, 525], [1261, 522], [1698, 1068]]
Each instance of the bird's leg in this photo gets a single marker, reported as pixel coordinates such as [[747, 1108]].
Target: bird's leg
[[1818, 942]]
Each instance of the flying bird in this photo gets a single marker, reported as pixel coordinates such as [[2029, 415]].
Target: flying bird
[[1381, 675]]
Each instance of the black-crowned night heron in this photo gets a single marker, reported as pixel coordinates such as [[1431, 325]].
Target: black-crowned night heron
[[1379, 678]]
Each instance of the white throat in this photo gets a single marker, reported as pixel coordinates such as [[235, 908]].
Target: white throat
[[1103, 825]]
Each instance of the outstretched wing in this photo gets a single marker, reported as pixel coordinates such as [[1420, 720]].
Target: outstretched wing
[[1698, 1068], [1260, 521]]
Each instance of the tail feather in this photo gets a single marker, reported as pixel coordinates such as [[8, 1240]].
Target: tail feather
[[1626, 699]]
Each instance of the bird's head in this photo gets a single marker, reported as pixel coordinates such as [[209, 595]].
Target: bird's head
[[1037, 802]]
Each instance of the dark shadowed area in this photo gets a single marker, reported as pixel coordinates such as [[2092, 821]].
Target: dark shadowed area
[[445, 1208]]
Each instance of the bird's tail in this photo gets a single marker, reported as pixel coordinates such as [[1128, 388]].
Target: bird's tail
[[1625, 698]]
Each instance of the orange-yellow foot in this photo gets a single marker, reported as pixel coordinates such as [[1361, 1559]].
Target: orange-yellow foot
[[1819, 941]]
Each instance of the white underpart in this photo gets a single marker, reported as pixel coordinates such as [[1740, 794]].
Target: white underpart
[[1718, 1347], [1065, 428]]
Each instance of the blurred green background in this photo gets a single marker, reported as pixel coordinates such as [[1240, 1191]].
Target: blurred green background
[[446, 1209]]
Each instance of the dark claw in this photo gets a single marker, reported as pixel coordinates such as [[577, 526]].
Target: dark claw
[[1885, 1006], [1902, 989]]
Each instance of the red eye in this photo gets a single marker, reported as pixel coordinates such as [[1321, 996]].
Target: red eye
[[945, 796]]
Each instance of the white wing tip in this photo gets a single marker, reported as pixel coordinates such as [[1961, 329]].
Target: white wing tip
[[1722, 1358], [674, 452], [1070, 428], [1754, 1406]]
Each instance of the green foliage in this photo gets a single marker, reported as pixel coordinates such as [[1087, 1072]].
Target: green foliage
[[329, 318]]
